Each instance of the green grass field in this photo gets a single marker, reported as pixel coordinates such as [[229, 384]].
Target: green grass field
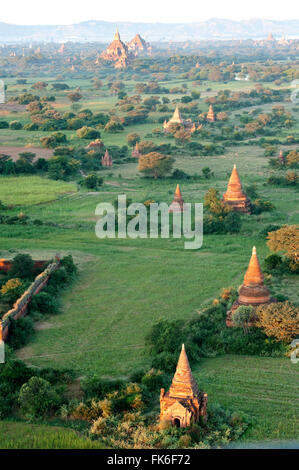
[[125, 285], [27, 190]]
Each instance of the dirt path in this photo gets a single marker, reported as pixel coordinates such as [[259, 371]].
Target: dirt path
[[14, 151]]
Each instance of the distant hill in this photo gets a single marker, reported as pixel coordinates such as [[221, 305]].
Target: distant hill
[[102, 31]]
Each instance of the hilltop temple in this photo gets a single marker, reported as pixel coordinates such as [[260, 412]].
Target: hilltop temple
[[211, 114], [107, 159], [183, 403], [117, 52], [253, 291], [234, 195], [177, 204], [178, 120]]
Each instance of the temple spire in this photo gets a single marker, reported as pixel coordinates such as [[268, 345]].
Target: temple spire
[[254, 273], [116, 36], [178, 194], [183, 383]]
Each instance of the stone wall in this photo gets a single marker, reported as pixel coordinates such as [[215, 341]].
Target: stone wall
[[21, 305]]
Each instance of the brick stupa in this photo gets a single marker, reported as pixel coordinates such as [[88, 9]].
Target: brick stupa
[[253, 291], [177, 204], [107, 159], [234, 195], [135, 151], [211, 114], [183, 403], [138, 45]]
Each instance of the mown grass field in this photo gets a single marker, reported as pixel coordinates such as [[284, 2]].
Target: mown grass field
[[28, 190], [124, 286], [20, 435]]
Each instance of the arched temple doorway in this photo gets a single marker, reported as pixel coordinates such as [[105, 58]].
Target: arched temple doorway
[[177, 422]]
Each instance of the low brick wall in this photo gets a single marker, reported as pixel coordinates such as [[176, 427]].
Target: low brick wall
[[21, 305], [6, 264]]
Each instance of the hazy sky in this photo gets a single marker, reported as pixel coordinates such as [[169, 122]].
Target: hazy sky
[[163, 11]]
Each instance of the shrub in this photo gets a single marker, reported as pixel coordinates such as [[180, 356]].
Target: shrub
[[22, 266], [20, 332], [243, 316], [88, 133], [273, 262], [12, 290], [279, 320], [37, 397], [44, 303], [15, 125]]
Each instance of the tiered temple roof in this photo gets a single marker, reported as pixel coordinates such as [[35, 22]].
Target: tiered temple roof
[[117, 52], [234, 195], [177, 119], [183, 403]]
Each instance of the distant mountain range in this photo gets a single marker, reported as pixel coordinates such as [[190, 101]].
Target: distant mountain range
[[103, 31]]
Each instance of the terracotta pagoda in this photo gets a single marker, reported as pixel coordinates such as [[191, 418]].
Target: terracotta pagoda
[[211, 114], [177, 204], [183, 403], [135, 152], [234, 195], [253, 291], [107, 159]]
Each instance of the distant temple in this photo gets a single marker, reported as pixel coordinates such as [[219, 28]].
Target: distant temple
[[121, 53], [135, 151], [177, 204], [253, 291], [117, 52], [107, 159], [183, 403], [234, 195], [211, 114], [139, 45], [178, 120]]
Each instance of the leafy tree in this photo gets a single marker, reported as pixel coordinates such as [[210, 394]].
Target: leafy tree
[[74, 96], [213, 202], [37, 397], [88, 133], [22, 266], [155, 164], [242, 317], [133, 138], [113, 127], [286, 240], [279, 320]]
